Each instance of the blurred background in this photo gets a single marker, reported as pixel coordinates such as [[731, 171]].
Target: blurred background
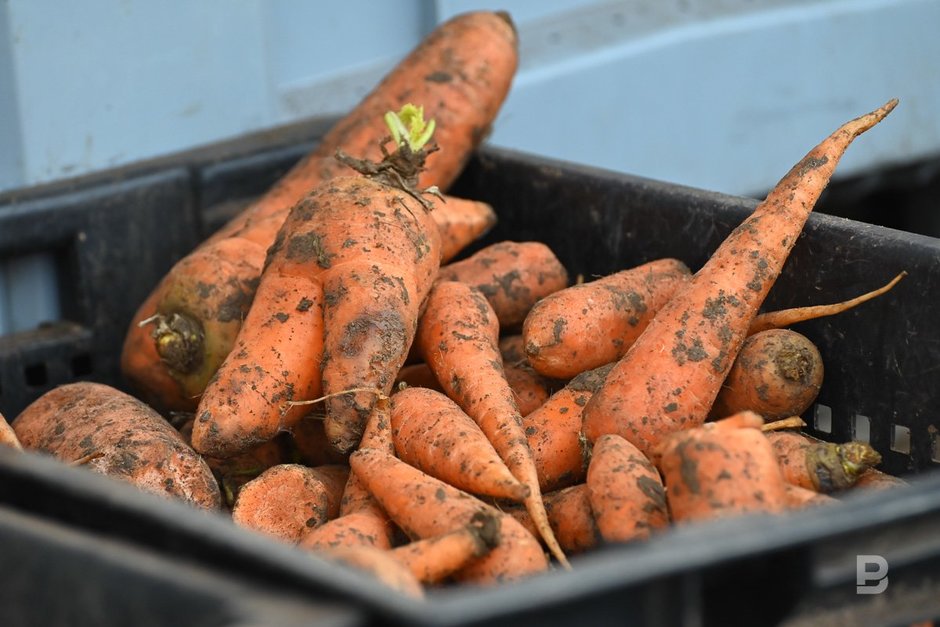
[[724, 95]]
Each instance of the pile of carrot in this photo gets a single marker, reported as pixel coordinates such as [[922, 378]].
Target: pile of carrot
[[356, 388]]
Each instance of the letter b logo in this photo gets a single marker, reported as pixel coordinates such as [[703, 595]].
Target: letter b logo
[[871, 574]]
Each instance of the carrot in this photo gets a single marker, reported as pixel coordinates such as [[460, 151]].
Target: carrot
[[554, 432], [874, 479], [423, 507], [571, 518], [461, 222], [366, 250], [668, 380], [114, 434], [512, 349], [788, 317], [821, 466], [8, 436], [287, 500], [378, 563], [458, 337], [461, 71], [722, 468], [625, 490], [591, 324], [354, 529], [435, 436], [434, 559], [529, 388], [235, 472], [512, 275], [778, 373], [308, 443], [417, 375]]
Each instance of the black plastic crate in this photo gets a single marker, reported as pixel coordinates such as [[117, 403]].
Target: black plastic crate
[[882, 361]]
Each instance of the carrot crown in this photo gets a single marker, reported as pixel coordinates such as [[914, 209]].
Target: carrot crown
[[408, 127]]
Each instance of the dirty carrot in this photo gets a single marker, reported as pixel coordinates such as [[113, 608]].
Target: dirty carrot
[[722, 468], [462, 222], [800, 498], [287, 500], [821, 466], [417, 375], [434, 559], [625, 490], [529, 388], [433, 434], [591, 324], [461, 71], [337, 305], [512, 275], [668, 380], [362, 520], [554, 432], [423, 506], [571, 518], [788, 317], [308, 443], [874, 479], [458, 337], [119, 436], [778, 373]]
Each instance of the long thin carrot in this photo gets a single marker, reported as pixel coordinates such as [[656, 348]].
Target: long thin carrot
[[337, 305], [788, 317], [459, 338], [669, 378], [423, 507], [461, 72], [434, 435]]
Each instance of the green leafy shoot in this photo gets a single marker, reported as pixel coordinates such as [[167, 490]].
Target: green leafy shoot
[[408, 127]]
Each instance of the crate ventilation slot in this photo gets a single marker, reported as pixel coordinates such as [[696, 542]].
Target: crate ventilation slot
[[822, 418], [81, 365], [36, 375], [901, 439], [861, 428]]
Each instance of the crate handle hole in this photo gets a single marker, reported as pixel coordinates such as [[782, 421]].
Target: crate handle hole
[[861, 428], [81, 365], [36, 375], [934, 444], [822, 418], [901, 439]]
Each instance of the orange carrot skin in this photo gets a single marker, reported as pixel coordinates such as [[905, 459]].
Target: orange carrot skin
[[287, 500], [801, 498], [215, 284], [308, 443], [355, 529], [625, 490], [368, 253], [461, 222], [818, 465], [459, 339], [874, 479], [8, 436], [423, 507], [417, 375], [434, 435], [591, 324], [719, 470], [668, 380], [432, 560], [530, 389], [512, 348], [554, 432], [569, 513], [512, 275], [778, 373], [120, 437], [461, 74]]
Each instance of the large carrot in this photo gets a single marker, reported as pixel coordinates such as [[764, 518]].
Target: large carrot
[[459, 339], [434, 435], [423, 507], [8, 436], [669, 378], [591, 324], [337, 305], [461, 72]]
